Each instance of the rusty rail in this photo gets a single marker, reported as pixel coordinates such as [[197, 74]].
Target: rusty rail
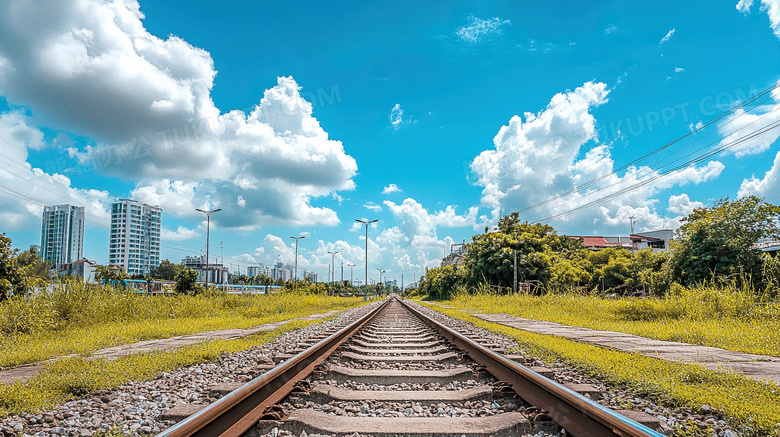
[[236, 413], [577, 414]]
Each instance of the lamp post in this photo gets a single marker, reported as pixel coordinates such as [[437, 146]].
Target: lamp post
[[366, 222], [380, 278], [333, 265], [208, 226], [296, 255], [351, 281]]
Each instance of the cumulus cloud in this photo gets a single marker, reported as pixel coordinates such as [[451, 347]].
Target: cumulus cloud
[[478, 29], [392, 188], [421, 226], [742, 124], [91, 67], [768, 187], [771, 7], [24, 189], [181, 233], [668, 36], [682, 205], [536, 159]]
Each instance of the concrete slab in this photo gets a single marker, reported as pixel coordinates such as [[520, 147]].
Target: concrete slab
[[389, 377], [406, 345], [505, 424], [180, 412], [390, 350], [642, 418], [325, 393], [760, 367], [442, 358]]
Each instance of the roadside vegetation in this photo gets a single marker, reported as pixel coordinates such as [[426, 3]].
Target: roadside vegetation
[[76, 318], [714, 247], [726, 316], [70, 378], [749, 403]]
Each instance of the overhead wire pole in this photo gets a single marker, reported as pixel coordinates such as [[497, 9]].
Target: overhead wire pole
[[296, 255], [333, 266], [366, 222], [351, 280], [208, 226]]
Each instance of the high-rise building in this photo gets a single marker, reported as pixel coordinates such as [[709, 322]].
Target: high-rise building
[[62, 234], [135, 236]]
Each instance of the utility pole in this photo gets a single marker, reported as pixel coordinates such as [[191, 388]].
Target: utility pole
[[342, 271], [296, 255], [631, 222], [514, 287], [366, 222], [351, 281], [333, 265], [208, 227]]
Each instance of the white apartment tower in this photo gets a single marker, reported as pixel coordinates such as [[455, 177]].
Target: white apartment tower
[[135, 236], [62, 234]]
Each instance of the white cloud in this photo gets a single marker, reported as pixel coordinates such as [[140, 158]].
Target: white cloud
[[679, 70], [373, 207], [25, 189], [610, 30], [667, 36], [479, 29], [744, 6], [540, 157], [392, 188], [397, 120], [742, 124], [768, 187], [181, 233], [772, 9], [91, 67], [682, 204], [420, 226]]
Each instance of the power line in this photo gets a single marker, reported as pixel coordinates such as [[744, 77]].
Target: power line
[[766, 93]]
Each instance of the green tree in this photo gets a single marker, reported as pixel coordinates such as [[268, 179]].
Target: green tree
[[167, 270], [187, 282], [490, 257], [109, 273], [717, 242], [10, 275], [33, 269], [614, 269]]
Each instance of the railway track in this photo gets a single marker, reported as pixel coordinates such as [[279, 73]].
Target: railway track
[[396, 371]]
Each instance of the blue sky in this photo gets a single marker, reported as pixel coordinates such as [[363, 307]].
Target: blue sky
[[433, 118]]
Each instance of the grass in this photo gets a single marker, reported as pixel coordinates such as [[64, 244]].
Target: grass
[[749, 403], [76, 319], [723, 317], [69, 378]]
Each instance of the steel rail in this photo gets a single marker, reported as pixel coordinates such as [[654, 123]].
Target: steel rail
[[237, 412], [577, 414]]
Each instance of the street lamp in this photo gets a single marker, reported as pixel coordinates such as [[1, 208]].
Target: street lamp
[[380, 283], [333, 265], [366, 222], [351, 281], [296, 255], [208, 226]]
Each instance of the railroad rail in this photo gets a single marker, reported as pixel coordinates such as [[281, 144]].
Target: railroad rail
[[396, 345]]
